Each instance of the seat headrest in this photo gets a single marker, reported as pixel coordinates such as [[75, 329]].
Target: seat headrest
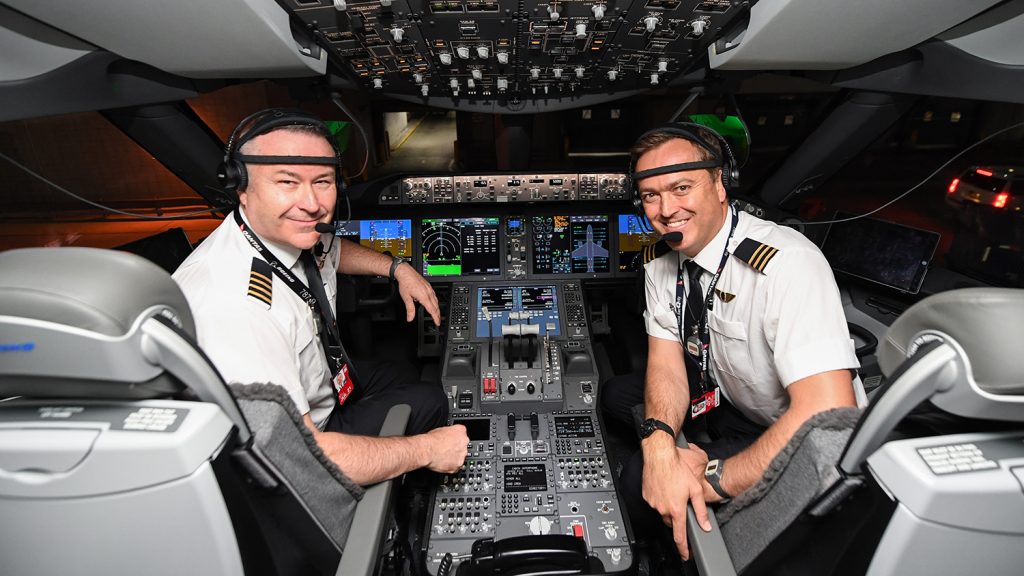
[[102, 291], [985, 322]]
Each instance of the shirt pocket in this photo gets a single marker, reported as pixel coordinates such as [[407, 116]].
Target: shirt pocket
[[730, 348]]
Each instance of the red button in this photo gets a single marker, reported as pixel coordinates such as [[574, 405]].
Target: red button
[[577, 530]]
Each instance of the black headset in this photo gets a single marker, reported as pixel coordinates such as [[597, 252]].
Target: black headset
[[232, 173], [687, 131]]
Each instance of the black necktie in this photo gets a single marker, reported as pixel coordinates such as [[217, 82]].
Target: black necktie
[[329, 328], [692, 313]]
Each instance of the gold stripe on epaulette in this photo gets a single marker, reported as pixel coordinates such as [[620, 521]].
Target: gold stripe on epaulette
[[762, 260], [261, 296], [257, 279]]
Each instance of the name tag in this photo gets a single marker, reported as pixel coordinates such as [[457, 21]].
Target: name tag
[[343, 384], [705, 403]]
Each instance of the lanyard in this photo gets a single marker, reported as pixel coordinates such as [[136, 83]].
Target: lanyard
[[323, 317], [701, 328]]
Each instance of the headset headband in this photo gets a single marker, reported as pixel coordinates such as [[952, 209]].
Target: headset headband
[[671, 168], [318, 160]]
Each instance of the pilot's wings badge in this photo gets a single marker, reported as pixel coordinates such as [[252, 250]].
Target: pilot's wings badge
[[724, 296]]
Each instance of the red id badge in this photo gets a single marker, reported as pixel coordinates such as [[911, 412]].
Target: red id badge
[[705, 403], [343, 384]]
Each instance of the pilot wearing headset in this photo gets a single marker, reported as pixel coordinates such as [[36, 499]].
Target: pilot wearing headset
[[746, 333], [262, 289]]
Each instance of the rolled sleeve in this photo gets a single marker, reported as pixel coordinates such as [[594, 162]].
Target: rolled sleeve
[[659, 319]]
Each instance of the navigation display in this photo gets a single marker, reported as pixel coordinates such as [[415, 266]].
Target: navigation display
[[391, 236], [498, 305], [634, 236], [460, 246], [570, 245]]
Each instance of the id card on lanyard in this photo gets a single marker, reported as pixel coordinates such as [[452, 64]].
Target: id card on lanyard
[[698, 344]]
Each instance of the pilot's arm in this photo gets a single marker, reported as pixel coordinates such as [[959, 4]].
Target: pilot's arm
[[371, 459], [356, 259], [668, 480]]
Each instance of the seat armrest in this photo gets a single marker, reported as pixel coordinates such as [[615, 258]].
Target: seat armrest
[[709, 551], [370, 521]]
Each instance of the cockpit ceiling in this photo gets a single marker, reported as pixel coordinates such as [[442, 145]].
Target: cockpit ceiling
[[511, 56]]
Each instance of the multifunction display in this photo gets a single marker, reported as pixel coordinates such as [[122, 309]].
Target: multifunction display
[[635, 234], [570, 245], [391, 236], [497, 305], [525, 478], [460, 247], [574, 427]]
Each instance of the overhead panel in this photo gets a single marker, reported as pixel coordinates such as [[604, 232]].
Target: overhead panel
[[507, 53]]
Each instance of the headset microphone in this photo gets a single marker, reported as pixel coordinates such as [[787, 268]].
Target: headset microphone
[[326, 228], [670, 237]]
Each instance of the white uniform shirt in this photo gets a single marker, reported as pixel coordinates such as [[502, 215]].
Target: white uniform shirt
[[247, 340], [782, 325]]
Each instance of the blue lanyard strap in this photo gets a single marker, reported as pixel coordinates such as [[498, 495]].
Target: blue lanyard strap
[[702, 330]]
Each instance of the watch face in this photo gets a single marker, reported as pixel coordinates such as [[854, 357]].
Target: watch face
[[647, 428]]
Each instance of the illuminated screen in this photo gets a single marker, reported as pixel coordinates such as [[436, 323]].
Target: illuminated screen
[[570, 244], [497, 305], [633, 238], [460, 246], [391, 236], [525, 478], [574, 427]]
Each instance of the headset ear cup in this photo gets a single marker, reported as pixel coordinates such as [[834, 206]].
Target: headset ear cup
[[232, 176]]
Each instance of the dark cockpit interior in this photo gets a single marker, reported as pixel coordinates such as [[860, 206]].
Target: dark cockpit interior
[[486, 143]]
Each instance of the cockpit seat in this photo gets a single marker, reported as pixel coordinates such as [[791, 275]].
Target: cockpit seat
[[123, 452], [848, 496]]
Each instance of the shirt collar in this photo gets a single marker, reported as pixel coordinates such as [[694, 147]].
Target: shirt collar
[[288, 255], [711, 255]]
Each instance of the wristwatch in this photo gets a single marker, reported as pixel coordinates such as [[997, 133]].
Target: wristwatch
[[713, 474], [650, 425], [395, 263]]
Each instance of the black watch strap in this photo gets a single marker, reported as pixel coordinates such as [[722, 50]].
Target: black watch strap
[[650, 425], [395, 263], [713, 474]]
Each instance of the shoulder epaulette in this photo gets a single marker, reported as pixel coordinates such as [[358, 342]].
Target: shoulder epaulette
[[261, 283], [656, 250], [755, 254]]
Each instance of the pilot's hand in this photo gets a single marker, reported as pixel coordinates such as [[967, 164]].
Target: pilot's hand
[[668, 484], [414, 288], [447, 447], [696, 458]]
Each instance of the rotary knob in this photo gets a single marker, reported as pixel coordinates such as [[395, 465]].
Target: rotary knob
[[446, 58], [477, 74], [579, 72], [397, 33], [502, 57], [598, 10], [483, 52], [651, 22], [463, 52]]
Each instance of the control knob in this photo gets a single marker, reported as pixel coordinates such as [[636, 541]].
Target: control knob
[[511, 389], [698, 27], [530, 388], [581, 30], [651, 22], [483, 52], [446, 58], [502, 84], [654, 79], [397, 33], [539, 525], [535, 73], [662, 65], [598, 10], [463, 52], [612, 75], [579, 72], [502, 57], [378, 83], [557, 72], [477, 74], [424, 89], [553, 12]]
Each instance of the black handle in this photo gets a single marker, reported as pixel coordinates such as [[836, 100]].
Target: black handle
[[548, 555]]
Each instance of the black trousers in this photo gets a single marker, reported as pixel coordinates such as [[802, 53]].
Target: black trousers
[[729, 430], [382, 385]]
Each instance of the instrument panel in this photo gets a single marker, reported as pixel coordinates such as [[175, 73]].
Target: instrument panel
[[515, 247]]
